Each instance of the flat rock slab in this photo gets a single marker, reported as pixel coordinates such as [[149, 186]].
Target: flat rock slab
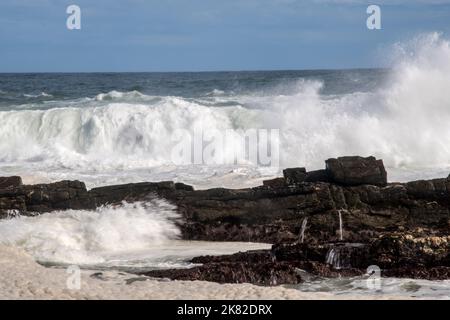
[[353, 171], [9, 182]]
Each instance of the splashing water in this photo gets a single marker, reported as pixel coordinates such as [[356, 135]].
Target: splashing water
[[119, 136], [129, 236], [84, 237], [303, 229], [333, 258], [341, 231]]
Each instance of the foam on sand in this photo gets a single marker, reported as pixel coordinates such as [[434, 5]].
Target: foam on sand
[[22, 278]]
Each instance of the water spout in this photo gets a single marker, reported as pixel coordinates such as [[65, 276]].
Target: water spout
[[302, 231]]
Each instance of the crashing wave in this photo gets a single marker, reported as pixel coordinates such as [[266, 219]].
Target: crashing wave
[[86, 237], [405, 122]]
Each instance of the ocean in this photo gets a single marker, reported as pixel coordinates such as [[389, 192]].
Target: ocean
[[119, 127], [112, 128]]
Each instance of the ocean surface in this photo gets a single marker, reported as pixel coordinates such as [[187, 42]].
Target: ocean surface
[[110, 128], [121, 127], [105, 128]]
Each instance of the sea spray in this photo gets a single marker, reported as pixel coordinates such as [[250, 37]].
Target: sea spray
[[120, 132], [85, 237]]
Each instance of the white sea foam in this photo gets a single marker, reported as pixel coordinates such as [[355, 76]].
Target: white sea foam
[[22, 278], [39, 95], [125, 137], [348, 287], [113, 95], [89, 237]]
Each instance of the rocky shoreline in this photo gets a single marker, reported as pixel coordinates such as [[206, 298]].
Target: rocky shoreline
[[332, 222]]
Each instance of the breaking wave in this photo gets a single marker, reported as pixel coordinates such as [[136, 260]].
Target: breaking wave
[[405, 121], [89, 237]]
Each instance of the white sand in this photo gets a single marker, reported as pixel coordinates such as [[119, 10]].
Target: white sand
[[22, 278]]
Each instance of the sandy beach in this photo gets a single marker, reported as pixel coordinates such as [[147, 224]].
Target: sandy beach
[[22, 278]]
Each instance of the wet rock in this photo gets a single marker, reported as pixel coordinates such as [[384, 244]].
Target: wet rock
[[429, 189], [182, 186], [275, 183], [252, 256], [317, 176], [299, 175], [269, 274], [294, 175], [321, 270], [272, 214], [232, 231], [299, 252], [261, 214], [31, 199], [353, 171], [420, 272], [137, 192], [9, 182], [400, 250]]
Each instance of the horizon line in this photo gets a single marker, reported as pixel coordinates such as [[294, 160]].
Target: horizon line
[[200, 71]]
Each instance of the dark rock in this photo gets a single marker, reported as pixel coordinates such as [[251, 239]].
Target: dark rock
[[275, 183], [299, 252], [396, 255], [269, 273], [429, 189], [320, 269], [419, 272], [336, 255], [136, 192], [294, 175], [401, 250], [252, 256], [258, 267], [317, 176], [182, 186], [29, 199], [353, 171], [232, 231], [299, 175], [9, 182], [402, 226], [261, 214]]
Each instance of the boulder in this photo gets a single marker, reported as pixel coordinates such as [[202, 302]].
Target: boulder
[[183, 186], [354, 171], [294, 175], [8, 182]]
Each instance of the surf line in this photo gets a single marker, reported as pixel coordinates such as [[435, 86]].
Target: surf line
[[201, 311]]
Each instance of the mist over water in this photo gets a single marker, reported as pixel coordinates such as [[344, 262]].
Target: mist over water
[[112, 128]]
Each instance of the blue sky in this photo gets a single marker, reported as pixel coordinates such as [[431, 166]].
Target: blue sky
[[203, 35]]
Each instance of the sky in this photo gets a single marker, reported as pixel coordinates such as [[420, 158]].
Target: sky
[[208, 35]]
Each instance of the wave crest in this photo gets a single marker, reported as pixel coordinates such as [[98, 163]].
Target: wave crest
[[405, 122]]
